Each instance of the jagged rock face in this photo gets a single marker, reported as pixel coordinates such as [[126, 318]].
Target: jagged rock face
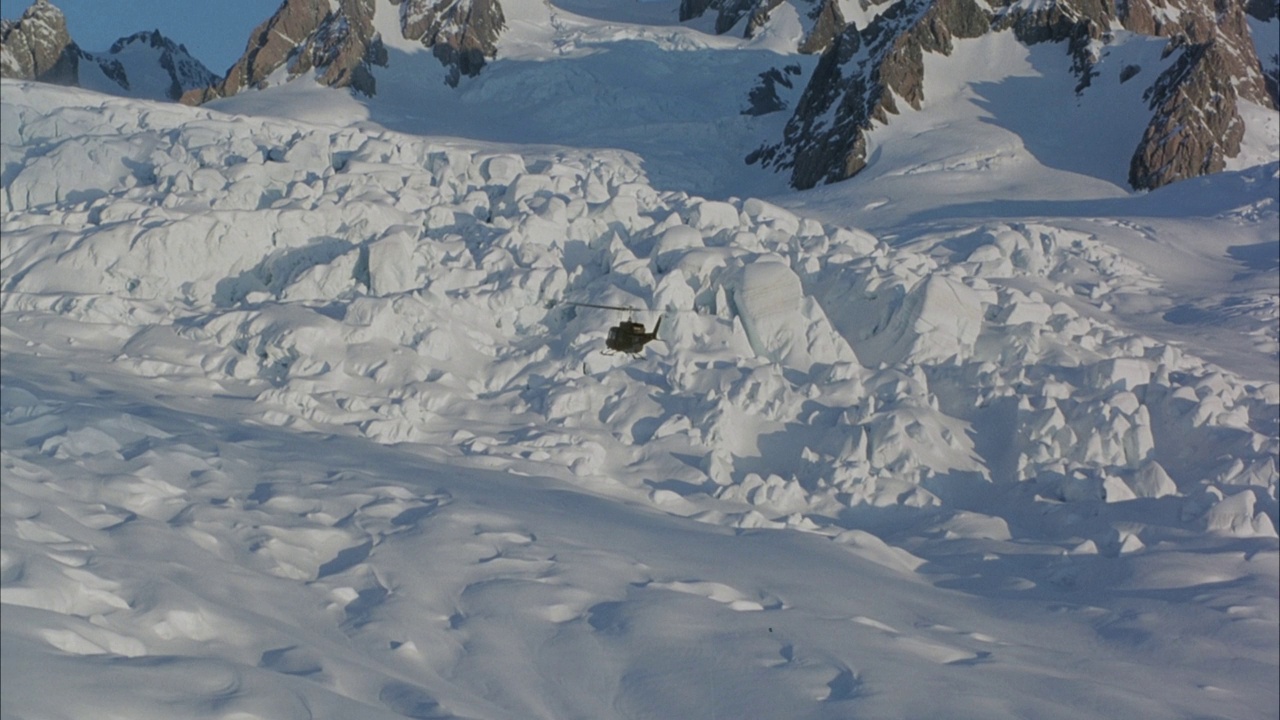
[[305, 35], [828, 22], [760, 12], [731, 11], [690, 9], [1079, 23], [825, 15], [460, 33], [1264, 10], [38, 47], [1268, 11], [1195, 124], [185, 72], [342, 47], [855, 82], [763, 98]]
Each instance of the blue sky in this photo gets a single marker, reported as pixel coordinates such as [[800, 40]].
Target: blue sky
[[214, 32]]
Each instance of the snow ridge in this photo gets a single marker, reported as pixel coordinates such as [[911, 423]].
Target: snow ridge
[[336, 266], [339, 368]]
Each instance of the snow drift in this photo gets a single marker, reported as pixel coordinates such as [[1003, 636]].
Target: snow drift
[[358, 309]]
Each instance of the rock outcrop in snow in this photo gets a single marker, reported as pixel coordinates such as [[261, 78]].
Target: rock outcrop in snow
[[1267, 12], [335, 40], [822, 19], [462, 34], [148, 65], [339, 44], [1195, 126], [855, 84], [144, 65], [38, 47]]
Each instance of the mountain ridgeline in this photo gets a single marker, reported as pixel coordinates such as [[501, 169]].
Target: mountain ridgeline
[[1195, 122], [867, 69], [146, 64], [342, 46]]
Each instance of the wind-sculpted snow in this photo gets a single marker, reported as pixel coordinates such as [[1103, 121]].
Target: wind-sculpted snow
[[342, 285], [395, 287]]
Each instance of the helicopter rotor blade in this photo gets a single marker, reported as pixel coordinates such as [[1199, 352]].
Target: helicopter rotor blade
[[602, 307], [622, 308]]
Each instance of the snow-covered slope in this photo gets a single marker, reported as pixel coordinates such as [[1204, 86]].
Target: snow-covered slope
[[145, 65], [299, 421]]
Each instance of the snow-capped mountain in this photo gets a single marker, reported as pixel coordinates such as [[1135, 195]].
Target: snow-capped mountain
[[1200, 71], [144, 65], [1207, 68], [147, 65], [340, 42]]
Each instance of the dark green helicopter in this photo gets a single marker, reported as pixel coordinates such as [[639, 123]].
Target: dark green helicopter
[[627, 336], [630, 337]]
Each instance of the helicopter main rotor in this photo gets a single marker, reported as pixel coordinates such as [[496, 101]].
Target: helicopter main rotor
[[627, 336]]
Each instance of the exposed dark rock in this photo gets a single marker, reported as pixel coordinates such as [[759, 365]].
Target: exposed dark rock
[[855, 83], [302, 36], [38, 47], [185, 72], [115, 72], [462, 34], [1128, 71], [828, 22], [827, 19], [1264, 10], [1196, 126], [1195, 123], [1271, 78], [760, 12], [1268, 11], [729, 12], [269, 46], [1078, 23], [764, 96], [343, 49], [690, 9]]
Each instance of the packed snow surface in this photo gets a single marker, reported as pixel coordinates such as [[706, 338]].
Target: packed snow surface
[[300, 421]]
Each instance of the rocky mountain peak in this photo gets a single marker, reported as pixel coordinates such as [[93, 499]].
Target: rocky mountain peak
[[132, 61], [1195, 124], [823, 19], [460, 33], [339, 44], [856, 81], [38, 47], [152, 39], [304, 35], [145, 64]]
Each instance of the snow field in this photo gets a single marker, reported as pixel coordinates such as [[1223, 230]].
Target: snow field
[[375, 281], [337, 371], [229, 571]]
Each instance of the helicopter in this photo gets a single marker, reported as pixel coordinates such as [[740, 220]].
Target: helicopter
[[627, 336], [630, 337]]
